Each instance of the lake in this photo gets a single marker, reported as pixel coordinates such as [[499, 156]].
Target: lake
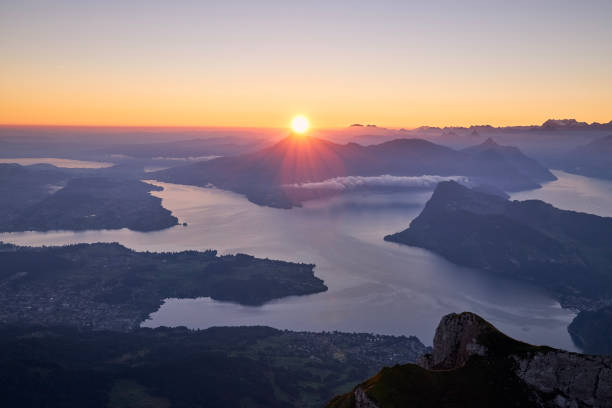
[[374, 286]]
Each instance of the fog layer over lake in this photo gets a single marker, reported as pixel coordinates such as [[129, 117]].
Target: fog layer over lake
[[374, 286]]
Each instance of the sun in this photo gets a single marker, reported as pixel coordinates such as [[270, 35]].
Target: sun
[[300, 124]]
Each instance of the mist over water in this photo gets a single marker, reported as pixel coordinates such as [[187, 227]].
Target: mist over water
[[374, 286], [65, 163]]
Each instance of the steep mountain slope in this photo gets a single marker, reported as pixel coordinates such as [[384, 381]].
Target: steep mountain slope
[[525, 165], [474, 365], [270, 176], [591, 330]]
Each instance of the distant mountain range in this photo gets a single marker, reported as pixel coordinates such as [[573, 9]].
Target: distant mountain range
[[550, 124], [272, 176], [546, 142], [525, 165]]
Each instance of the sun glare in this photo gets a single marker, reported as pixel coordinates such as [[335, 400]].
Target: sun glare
[[299, 124]]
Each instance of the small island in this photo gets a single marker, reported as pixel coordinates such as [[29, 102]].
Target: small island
[[108, 286]]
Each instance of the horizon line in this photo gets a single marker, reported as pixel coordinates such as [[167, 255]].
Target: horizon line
[[354, 124]]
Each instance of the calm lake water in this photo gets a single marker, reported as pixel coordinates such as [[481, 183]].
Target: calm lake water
[[374, 286], [573, 192], [66, 163]]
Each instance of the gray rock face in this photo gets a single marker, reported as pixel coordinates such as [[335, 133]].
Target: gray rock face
[[475, 365], [574, 380], [362, 400], [455, 341], [557, 378]]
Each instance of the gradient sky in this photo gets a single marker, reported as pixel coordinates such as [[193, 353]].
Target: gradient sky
[[256, 63]]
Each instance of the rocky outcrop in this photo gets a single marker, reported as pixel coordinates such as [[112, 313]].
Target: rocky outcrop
[[362, 400], [456, 341], [572, 380], [474, 365]]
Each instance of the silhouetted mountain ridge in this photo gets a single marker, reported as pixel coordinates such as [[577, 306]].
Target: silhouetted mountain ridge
[[513, 155], [270, 176], [549, 124]]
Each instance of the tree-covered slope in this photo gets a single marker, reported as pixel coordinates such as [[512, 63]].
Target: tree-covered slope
[[108, 286], [218, 367]]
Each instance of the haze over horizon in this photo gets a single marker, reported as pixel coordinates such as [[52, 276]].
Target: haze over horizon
[[313, 131], [276, 204], [245, 64]]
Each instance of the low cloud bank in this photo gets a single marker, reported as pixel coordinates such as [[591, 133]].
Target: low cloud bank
[[354, 182], [190, 158]]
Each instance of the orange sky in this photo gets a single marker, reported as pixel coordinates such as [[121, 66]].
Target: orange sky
[[81, 63]]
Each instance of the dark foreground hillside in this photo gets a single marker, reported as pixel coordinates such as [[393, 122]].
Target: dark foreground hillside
[[217, 367], [474, 365]]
